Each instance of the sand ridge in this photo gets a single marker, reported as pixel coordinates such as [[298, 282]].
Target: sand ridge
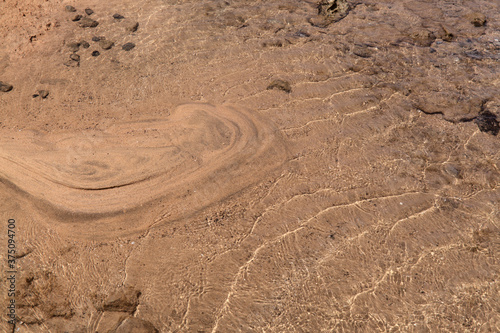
[[108, 172]]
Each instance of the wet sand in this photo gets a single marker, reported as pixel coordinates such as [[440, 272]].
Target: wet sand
[[251, 166]]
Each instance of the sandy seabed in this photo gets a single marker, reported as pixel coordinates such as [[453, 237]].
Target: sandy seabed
[[250, 166]]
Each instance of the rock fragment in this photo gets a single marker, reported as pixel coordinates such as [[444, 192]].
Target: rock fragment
[[106, 44], [118, 16], [122, 300], [89, 11], [41, 93], [84, 44], [5, 87], [128, 46], [96, 38], [74, 57], [73, 46], [74, 61], [487, 122], [136, 325], [96, 53], [132, 26], [423, 37], [76, 18], [87, 22], [477, 19], [281, 85], [330, 11], [362, 51], [70, 9]]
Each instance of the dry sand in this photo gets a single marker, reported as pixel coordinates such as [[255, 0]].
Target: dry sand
[[251, 166]]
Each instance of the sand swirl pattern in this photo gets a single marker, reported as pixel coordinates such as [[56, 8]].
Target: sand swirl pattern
[[194, 157]]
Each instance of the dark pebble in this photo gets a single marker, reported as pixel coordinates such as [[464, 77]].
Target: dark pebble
[[70, 9], [106, 44], [487, 122], [281, 85], [96, 39], [84, 44], [5, 87], [87, 22], [89, 11], [431, 50], [74, 57], [118, 16], [128, 46], [96, 53], [77, 17]]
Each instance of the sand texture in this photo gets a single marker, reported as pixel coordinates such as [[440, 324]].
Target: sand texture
[[250, 165]]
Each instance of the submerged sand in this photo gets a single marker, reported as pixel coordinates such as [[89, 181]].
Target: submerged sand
[[251, 166]]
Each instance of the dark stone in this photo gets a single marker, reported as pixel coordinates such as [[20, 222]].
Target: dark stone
[[96, 39], [118, 16], [132, 27], [77, 17], [487, 122], [96, 53], [5, 87], [128, 46], [70, 9], [122, 300], [136, 325], [281, 85], [87, 22], [89, 11], [84, 44], [106, 44]]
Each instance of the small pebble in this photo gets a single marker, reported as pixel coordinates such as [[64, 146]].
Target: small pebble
[[74, 57], [43, 93], [128, 46], [73, 46], [106, 44], [87, 22], [72, 63], [5, 87], [96, 39], [89, 11], [84, 44], [132, 27], [281, 85], [477, 19], [70, 9], [96, 53], [118, 16], [77, 17]]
